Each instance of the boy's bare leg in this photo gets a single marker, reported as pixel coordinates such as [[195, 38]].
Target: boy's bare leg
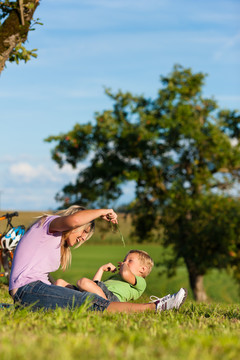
[[129, 307], [168, 302], [61, 282], [88, 285]]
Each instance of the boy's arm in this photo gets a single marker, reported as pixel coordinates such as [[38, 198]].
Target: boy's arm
[[106, 267], [126, 273]]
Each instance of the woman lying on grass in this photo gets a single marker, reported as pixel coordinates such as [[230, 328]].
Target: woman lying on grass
[[46, 246]]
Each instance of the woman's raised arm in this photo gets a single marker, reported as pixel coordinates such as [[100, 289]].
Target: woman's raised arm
[[80, 218]]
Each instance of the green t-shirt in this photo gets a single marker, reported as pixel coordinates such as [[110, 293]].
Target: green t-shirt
[[123, 290]]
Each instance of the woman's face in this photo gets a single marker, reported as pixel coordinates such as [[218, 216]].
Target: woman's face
[[78, 236]]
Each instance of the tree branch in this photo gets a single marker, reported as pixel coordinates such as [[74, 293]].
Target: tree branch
[[14, 30], [21, 11]]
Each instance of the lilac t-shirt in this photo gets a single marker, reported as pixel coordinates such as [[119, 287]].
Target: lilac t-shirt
[[37, 254]]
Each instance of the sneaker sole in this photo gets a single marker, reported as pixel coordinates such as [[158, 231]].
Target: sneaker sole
[[183, 299]]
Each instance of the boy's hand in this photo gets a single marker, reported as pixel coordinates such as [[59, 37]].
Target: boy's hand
[[121, 264], [126, 273], [109, 267]]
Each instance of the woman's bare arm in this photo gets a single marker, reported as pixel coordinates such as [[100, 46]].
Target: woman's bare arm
[[65, 223]]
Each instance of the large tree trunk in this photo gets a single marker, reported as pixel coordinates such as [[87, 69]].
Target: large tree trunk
[[196, 282], [15, 29]]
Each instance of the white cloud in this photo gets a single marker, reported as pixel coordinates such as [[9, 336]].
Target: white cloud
[[29, 186], [27, 173], [68, 170]]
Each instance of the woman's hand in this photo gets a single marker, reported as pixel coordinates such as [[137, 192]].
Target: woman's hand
[[110, 215]]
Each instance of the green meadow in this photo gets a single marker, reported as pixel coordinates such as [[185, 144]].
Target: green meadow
[[220, 286], [197, 331]]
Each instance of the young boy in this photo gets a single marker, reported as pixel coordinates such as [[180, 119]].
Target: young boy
[[128, 284]]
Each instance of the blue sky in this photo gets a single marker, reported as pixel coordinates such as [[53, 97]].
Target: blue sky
[[86, 45]]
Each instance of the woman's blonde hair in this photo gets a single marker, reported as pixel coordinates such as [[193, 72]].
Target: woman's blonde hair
[[66, 255]]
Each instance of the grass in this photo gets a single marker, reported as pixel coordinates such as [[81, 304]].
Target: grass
[[106, 246], [219, 285], [208, 331], [205, 331], [24, 218]]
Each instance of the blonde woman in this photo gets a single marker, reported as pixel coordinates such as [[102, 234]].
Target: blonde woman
[[46, 245]]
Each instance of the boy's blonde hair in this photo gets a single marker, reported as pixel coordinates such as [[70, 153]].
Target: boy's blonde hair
[[145, 260]]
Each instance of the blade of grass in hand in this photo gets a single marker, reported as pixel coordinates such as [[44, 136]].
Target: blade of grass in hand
[[118, 229]]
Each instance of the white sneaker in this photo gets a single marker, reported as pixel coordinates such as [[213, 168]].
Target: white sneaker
[[170, 301]]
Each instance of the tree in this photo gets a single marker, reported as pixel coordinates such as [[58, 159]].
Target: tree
[[205, 232], [182, 153], [17, 19]]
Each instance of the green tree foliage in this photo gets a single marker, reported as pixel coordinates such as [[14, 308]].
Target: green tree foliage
[[183, 155], [205, 232], [16, 20]]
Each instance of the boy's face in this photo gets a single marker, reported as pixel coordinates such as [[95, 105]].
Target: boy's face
[[134, 264]]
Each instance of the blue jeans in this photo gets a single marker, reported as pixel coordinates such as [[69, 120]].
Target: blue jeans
[[109, 295], [39, 295]]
